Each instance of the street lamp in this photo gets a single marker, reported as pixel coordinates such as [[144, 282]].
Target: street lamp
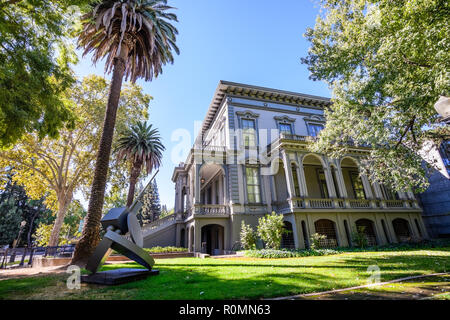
[[442, 107]]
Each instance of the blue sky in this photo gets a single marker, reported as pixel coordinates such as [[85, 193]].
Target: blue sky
[[257, 42]]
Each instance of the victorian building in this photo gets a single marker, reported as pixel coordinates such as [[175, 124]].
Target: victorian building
[[251, 158]]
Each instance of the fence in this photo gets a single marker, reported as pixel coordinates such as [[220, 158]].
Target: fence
[[17, 257]]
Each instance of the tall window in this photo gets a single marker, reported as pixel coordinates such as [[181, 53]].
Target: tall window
[[249, 132], [285, 128], [388, 194], [253, 191], [314, 129], [295, 178], [358, 188], [322, 184]]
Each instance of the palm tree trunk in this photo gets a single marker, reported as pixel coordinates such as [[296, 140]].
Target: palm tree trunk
[[135, 171], [91, 230]]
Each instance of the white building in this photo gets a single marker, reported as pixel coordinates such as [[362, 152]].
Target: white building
[[251, 158]]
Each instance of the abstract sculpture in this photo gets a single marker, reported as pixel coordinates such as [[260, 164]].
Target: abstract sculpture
[[117, 223]]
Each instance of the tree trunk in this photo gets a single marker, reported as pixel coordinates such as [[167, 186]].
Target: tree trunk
[[91, 230], [135, 171], [30, 229], [62, 209]]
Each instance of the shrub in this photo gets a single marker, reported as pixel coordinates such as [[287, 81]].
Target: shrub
[[165, 249], [359, 237], [315, 240], [248, 237], [270, 230], [284, 253]]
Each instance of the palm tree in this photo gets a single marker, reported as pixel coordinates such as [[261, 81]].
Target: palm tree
[[137, 39], [142, 147]]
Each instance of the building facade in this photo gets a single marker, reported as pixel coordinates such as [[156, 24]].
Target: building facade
[[251, 158], [435, 201]]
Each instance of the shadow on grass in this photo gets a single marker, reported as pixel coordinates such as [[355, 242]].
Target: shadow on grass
[[216, 279]]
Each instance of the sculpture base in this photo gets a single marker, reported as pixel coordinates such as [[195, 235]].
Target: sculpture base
[[118, 276]]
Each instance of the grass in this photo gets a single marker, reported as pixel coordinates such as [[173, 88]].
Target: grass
[[240, 278], [429, 288]]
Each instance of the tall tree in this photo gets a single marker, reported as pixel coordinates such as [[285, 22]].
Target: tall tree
[[137, 39], [57, 168], [35, 59], [151, 209], [387, 62], [15, 207], [141, 147]]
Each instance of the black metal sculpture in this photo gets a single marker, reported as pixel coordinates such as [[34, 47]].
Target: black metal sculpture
[[117, 223]]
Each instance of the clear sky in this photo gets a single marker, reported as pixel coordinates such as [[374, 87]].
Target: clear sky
[[257, 42]]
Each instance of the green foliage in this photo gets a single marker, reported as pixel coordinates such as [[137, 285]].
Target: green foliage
[[15, 207], [271, 229], [387, 62], [359, 237], [151, 210], [35, 58], [66, 236], [285, 253], [316, 239], [248, 237], [168, 249]]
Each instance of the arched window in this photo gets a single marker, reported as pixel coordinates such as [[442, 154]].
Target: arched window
[[287, 239], [326, 227], [401, 229], [368, 228]]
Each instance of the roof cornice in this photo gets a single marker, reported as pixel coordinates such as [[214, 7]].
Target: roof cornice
[[239, 89]]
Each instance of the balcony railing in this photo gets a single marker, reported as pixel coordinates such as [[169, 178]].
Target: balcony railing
[[158, 223], [395, 203], [321, 203], [210, 209], [302, 203], [359, 203]]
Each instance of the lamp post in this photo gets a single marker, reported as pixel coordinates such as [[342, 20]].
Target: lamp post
[[442, 107]]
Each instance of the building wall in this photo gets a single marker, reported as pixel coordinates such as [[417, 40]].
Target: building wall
[[435, 202]]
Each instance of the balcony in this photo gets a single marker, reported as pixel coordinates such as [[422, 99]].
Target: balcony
[[210, 210], [363, 204]]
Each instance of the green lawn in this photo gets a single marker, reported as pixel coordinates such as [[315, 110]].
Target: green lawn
[[191, 278]]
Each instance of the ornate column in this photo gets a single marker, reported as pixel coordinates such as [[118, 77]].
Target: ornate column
[[329, 178], [377, 189], [340, 181], [301, 177], [367, 188], [288, 172], [197, 183]]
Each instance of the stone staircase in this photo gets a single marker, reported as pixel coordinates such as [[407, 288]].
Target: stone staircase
[[161, 232]]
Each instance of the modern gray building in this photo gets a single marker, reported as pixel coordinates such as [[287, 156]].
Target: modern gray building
[[435, 201]]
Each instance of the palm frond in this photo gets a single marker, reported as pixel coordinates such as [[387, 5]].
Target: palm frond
[[142, 25]]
